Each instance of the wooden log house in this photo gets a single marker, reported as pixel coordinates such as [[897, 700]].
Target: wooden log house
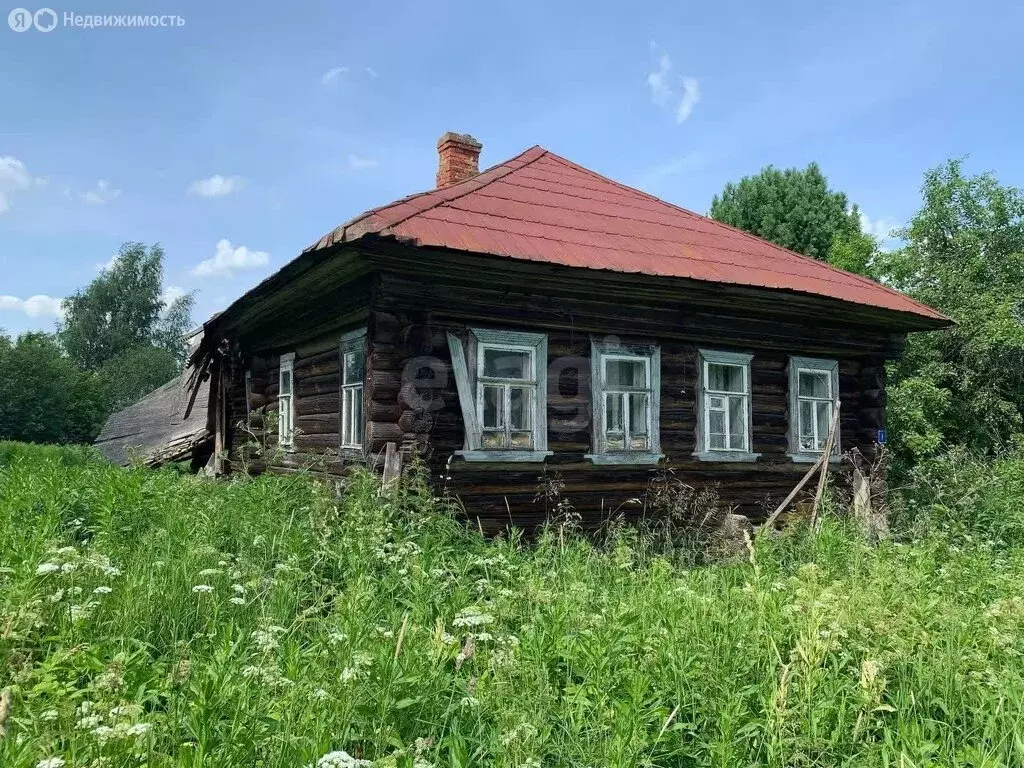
[[537, 318]]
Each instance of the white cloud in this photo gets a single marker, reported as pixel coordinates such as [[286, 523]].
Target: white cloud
[[108, 264], [102, 194], [371, 72], [881, 228], [216, 186], [680, 93], [228, 259], [34, 306], [357, 163], [14, 178], [171, 294], [333, 74]]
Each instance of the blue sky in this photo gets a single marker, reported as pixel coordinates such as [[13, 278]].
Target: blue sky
[[242, 136]]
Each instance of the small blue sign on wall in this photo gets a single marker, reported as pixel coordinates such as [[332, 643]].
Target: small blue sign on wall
[[881, 437]]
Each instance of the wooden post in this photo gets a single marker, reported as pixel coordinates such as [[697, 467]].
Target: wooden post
[[827, 454], [392, 463]]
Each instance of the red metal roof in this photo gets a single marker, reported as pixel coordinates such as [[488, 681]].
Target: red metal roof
[[541, 207]]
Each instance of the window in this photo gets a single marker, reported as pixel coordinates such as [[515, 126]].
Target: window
[[813, 389], [625, 384], [353, 371], [248, 392], [723, 407], [503, 394], [286, 403]]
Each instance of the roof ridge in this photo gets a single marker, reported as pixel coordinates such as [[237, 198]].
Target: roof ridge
[[801, 256]]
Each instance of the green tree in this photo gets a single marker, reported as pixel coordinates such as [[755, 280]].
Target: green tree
[[121, 328], [793, 208], [122, 309], [44, 396], [964, 255]]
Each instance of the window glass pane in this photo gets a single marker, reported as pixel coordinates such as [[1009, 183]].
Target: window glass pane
[[737, 423], [716, 430], [354, 415], [355, 361], [824, 423], [506, 364], [725, 378], [615, 442], [806, 426], [625, 373], [638, 413], [494, 405], [716, 403], [522, 440], [815, 384], [493, 440], [286, 382], [613, 419], [519, 408]]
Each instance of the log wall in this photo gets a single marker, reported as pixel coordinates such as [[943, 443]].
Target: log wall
[[410, 395]]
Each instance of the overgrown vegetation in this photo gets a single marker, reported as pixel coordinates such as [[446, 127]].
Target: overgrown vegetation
[[152, 618]]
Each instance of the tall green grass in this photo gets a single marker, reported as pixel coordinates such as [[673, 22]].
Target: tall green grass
[[149, 618]]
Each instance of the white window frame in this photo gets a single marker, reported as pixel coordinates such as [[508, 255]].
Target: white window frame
[[248, 396], [600, 352], [704, 451], [798, 365], [349, 421], [470, 381], [286, 403]]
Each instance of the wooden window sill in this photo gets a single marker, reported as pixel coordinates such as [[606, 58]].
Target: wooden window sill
[[726, 456], [505, 456], [634, 459]]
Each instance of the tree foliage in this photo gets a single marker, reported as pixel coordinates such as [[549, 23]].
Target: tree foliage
[[793, 208], [964, 255], [123, 309], [44, 396]]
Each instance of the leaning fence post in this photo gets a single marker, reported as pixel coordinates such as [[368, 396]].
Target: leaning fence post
[[392, 463]]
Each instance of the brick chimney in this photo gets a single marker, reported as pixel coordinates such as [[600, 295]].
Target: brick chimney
[[458, 158]]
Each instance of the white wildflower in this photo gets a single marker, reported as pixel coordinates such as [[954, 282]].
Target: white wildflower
[[201, 588], [238, 588], [139, 729], [49, 715], [472, 617], [88, 722], [103, 733], [42, 570], [57, 596], [339, 759], [320, 694], [82, 612], [126, 710], [209, 572], [159, 563], [68, 568], [237, 600], [337, 637], [51, 762], [102, 591]]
